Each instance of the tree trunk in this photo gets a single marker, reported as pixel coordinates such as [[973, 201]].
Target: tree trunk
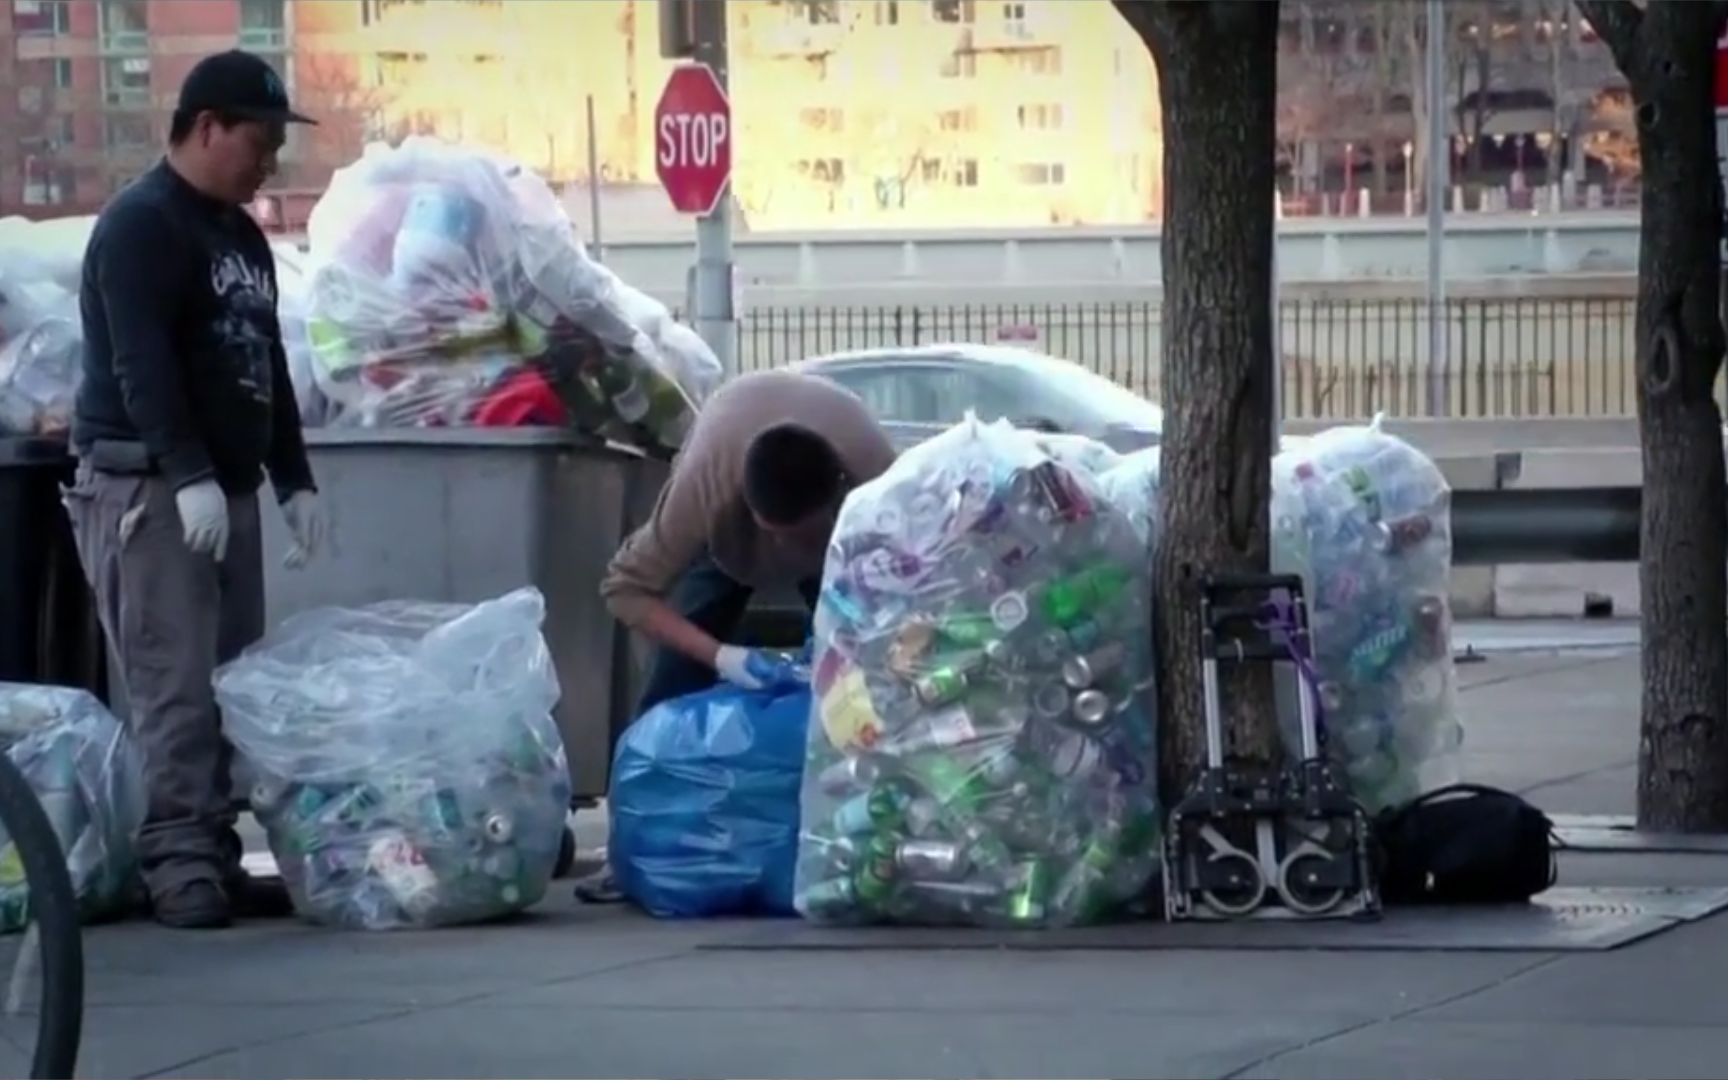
[[1667, 53], [1217, 78]]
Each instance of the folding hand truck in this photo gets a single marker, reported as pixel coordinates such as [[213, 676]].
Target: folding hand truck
[[1251, 843]]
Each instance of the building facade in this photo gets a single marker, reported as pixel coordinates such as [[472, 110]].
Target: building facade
[[87, 86], [848, 113]]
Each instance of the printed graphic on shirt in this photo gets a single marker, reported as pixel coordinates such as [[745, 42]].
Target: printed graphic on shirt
[[241, 331]]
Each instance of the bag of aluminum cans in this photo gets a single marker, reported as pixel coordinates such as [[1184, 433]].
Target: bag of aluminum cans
[[87, 774], [704, 802], [1364, 517], [981, 746], [406, 766], [448, 287]]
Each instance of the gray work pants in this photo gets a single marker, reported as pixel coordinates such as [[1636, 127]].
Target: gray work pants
[[170, 617]]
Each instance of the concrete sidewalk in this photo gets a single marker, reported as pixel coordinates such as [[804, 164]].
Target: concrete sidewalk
[[574, 991]]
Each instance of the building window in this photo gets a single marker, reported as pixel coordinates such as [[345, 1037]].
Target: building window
[[887, 12], [823, 119], [1045, 61], [1014, 13], [821, 12], [964, 172], [127, 131], [1043, 174], [954, 11], [126, 81], [373, 12], [41, 18], [1046, 117], [960, 65], [55, 131], [823, 170], [958, 119], [930, 170], [263, 24], [62, 74], [46, 183], [125, 25]]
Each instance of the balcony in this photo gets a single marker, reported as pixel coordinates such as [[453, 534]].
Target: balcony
[[127, 97], [798, 38], [998, 34], [263, 38], [124, 42]]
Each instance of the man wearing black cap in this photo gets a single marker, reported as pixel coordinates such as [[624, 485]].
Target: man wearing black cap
[[184, 407]]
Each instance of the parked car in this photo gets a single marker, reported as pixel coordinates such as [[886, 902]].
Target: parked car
[[919, 391]]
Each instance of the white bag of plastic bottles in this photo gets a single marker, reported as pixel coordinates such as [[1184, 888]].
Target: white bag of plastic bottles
[[448, 287], [1364, 517], [1132, 485], [407, 769], [981, 745], [41, 339], [86, 772]]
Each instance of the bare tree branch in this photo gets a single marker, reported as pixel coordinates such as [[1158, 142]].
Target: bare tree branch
[[1617, 23]]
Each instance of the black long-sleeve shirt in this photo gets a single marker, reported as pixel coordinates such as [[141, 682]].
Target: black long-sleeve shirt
[[182, 350]]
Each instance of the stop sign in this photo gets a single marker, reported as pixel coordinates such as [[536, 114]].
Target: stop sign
[[693, 139]]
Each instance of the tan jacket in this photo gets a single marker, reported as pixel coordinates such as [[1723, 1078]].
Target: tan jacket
[[702, 505]]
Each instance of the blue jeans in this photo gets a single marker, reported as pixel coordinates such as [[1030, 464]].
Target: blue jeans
[[713, 601]]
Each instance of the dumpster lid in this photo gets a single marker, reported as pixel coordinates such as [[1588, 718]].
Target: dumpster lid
[[31, 450]]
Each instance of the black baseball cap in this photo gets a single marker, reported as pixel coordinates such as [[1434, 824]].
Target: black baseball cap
[[239, 84]]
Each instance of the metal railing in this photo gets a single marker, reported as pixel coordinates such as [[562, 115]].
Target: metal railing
[[1342, 358]]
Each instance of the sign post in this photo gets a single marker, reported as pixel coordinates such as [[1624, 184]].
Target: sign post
[[693, 157]]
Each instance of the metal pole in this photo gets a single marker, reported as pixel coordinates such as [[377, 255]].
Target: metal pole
[[715, 320], [1439, 165], [598, 245]]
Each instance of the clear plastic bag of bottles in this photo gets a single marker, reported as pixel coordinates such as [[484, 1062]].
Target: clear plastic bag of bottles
[[982, 742], [41, 339], [1132, 485], [87, 774], [406, 766], [704, 802], [447, 287], [1364, 517]]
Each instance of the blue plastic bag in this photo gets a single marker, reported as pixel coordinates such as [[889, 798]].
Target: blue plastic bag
[[704, 803]]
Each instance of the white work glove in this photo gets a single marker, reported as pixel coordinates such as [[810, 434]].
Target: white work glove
[[306, 523], [755, 669], [203, 510]]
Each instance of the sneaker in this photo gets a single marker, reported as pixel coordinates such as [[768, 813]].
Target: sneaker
[[258, 897], [196, 905], [600, 887]]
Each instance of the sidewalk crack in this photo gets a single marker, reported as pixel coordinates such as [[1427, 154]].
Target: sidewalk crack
[[397, 1014], [1392, 1018]]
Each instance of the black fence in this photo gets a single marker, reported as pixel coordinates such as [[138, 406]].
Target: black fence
[[1342, 358]]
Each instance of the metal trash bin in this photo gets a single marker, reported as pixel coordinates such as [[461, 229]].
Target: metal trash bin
[[49, 630], [465, 514]]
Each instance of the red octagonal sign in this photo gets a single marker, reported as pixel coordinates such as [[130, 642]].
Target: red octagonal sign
[[693, 139]]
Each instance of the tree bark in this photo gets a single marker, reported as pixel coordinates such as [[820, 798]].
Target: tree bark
[[1667, 53], [1217, 78]]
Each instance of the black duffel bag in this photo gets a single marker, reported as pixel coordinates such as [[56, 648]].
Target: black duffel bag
[[1464, 844]]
